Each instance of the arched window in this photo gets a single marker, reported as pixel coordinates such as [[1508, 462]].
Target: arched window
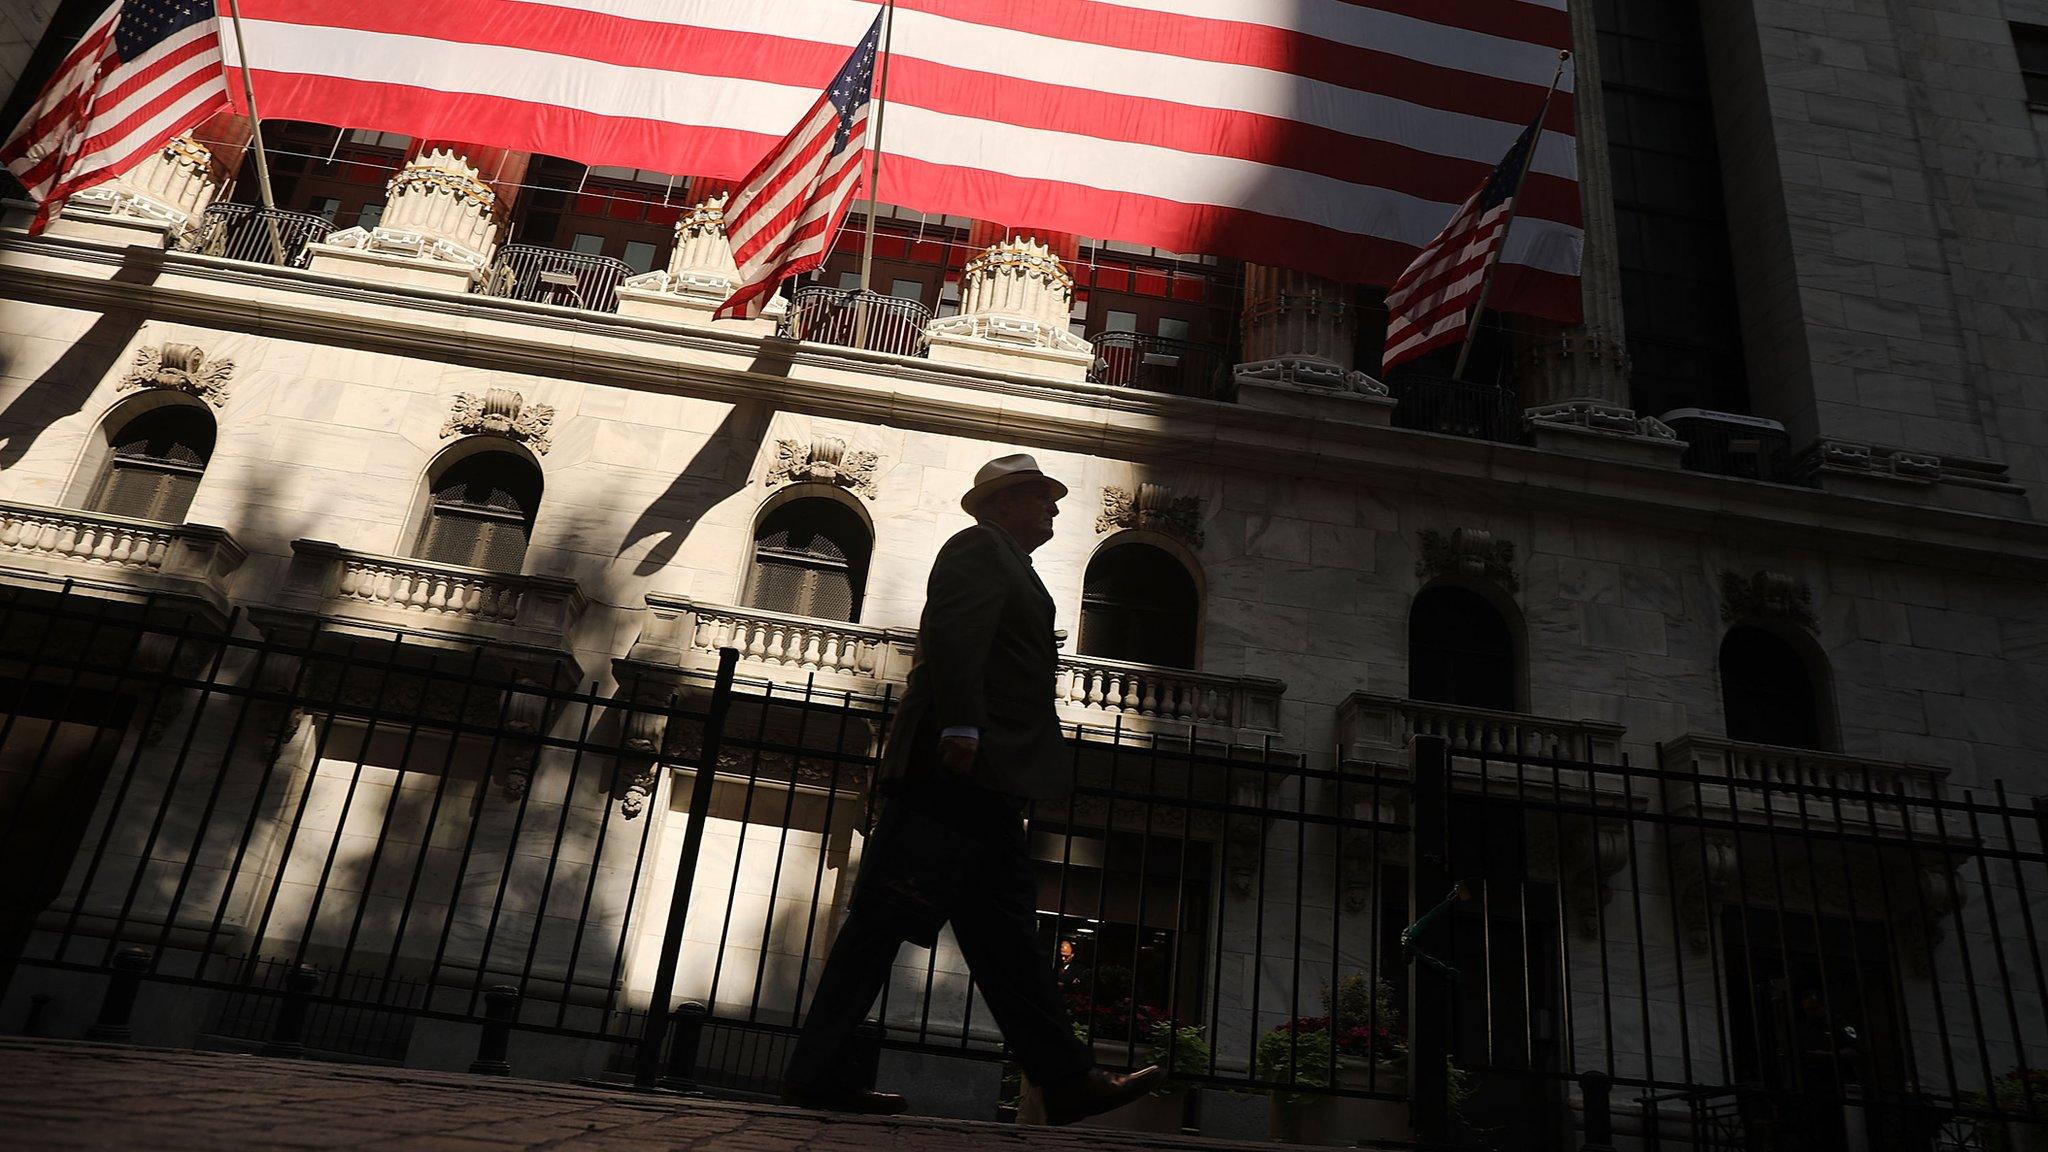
[[1460, 650], [810, 559], [481, 512], [1767, 690], [1139, 604], [155, 464]]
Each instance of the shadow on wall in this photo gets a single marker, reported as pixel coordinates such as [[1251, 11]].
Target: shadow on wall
[[61, 389], [718, 470]]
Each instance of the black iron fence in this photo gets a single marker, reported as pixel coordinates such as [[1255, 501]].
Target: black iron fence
[[1163, 364], [258, 234], [854, 319], [1457, 408], [554, 276], [366, 845]]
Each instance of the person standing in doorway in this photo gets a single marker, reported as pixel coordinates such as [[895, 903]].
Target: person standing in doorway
[[976, 740]]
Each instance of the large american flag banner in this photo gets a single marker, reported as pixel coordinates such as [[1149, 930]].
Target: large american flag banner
[[782, 218], [143, 72], [1331, 136], [1430, 306]]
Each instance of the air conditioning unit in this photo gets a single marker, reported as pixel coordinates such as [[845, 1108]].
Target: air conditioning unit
[[1731, 444]]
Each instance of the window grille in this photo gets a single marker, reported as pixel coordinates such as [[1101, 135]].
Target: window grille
[[1460, 651], [158, 459], [1139, 605], [1767, 691], [482, 513], [810, 559]]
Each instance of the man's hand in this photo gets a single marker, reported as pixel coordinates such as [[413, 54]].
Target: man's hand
[[956, 753]]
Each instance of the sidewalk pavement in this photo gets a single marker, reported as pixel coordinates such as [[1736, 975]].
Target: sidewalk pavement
[[65, 1094]]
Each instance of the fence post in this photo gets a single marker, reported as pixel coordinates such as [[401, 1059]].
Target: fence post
[[682, 1047], [647, 1059], [288, 1034], [1594, 1088], [501, 1005], [1429, 989], [119, 1002]]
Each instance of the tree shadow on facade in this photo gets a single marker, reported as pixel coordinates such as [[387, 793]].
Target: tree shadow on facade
[[61, 389], [718, 471]]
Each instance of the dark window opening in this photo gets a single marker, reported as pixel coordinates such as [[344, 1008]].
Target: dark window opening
[[1139, 605], [1678, 279], [810, 559], [158, 460], [1460, 651], [482, 513], [1126, 919], [626, 214], [2031, 40], [1767, 691]]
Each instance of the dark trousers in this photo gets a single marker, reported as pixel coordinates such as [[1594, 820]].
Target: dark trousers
[[943, 854]]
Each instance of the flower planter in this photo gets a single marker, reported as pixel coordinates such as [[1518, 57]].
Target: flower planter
[[1297, 1118]]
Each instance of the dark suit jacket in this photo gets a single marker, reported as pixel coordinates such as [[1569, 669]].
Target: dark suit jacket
[[986, 658]]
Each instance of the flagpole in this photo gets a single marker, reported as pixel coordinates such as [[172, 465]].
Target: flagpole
[[1514, 206], [256, 134], [867, 244]]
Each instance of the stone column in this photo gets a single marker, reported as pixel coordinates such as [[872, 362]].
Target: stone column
[[155, 203], [701, 276], [1574, 381], [439, 229], [1297, 345], [1016, 299]]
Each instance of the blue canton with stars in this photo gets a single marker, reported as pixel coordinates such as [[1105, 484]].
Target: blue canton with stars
[[855, 85], [1509, 174], [147, 23]]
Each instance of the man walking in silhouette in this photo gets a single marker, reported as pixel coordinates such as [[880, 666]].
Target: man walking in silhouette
[[976, 739]]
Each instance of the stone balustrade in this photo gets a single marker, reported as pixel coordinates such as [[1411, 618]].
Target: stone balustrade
[[1091, 690], [1371, 727], [684, 633], [1795, 786], [420, 593], [85, 536], [119, 555]]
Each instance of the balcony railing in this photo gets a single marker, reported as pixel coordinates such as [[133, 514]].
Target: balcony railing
[[119, 555], [438, 596], [832, 316], [85, 536], [552, 276], [1457, 408], [1371, 725], [1793, 788], [1162, 364], [1109, 689], [260, 235], [775, 646]]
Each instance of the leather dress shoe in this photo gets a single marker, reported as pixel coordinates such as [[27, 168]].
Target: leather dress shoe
[[857, 1100], [1097, 1091]]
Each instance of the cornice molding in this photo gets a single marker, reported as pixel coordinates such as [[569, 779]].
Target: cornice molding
[[964, 400]]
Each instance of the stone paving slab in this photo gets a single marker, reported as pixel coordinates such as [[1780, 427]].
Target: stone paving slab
[[63, 1094]]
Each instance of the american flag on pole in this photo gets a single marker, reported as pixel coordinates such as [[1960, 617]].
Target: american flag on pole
[[1429, 306], [1329, 136], [782, 218], [145, 71]]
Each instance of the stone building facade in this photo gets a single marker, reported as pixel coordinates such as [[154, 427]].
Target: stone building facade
[[1317, 573]]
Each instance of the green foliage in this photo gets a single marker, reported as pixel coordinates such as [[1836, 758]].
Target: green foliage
[[2023, 1095], [1180, 1050], [1299, 1058], [1360, 1002]]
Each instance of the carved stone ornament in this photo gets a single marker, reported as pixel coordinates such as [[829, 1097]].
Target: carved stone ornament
[[181, 368], [1467, 552], [1155, 507], [502, 412], [1766, 596], [824, 460]]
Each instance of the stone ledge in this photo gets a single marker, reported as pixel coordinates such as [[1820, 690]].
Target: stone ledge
[[498, 334]]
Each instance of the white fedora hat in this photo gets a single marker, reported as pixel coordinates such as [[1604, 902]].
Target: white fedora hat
[[1006, 472]]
